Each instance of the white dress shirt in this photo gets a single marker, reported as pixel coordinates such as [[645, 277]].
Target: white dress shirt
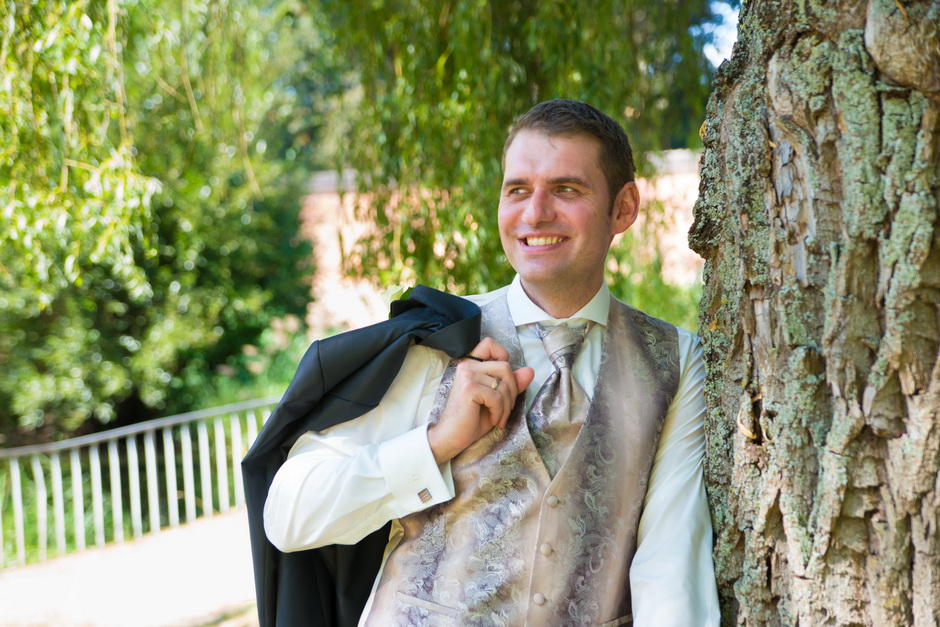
[[341, 484]]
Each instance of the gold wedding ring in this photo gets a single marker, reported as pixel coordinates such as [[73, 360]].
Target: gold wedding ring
[[495, 383]]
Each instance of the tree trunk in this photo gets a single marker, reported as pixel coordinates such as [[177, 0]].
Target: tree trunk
[[821, 314]]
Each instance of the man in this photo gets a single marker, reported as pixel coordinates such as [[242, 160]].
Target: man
[[581, 504]]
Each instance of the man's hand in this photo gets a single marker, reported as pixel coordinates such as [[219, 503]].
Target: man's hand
[[481, 398]]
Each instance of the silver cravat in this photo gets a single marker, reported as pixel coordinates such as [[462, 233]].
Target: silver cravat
[[560, 405]]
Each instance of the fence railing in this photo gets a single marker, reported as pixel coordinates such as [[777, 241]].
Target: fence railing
[[143, 464]]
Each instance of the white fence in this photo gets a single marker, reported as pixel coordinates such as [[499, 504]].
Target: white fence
[[143, 464]]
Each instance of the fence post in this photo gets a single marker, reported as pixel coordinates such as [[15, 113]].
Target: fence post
[[58, 503], [117, 498], [97, 496], [18, 525], [78, 499], [169, 471], [133, 480], [253, 427], [189, 482], [205, 472], [236, 425], [3, 555], [221, 465], [42, 505], [153, 500]]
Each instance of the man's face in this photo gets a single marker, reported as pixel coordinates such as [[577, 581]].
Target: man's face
[[555, 218]]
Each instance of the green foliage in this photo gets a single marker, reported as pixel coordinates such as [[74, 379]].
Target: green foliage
[[635, 274], [152, 160], [440, 83], [262, 369], [72, 206], [227, 82], [61, 170]]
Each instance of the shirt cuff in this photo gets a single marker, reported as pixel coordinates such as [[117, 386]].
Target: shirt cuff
[[414, 479]]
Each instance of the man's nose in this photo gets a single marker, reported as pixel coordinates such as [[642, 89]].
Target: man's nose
[[539, 208]]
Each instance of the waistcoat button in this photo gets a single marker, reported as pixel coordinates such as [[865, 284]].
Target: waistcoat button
[[545, 549], [538, 598], [553, 501]]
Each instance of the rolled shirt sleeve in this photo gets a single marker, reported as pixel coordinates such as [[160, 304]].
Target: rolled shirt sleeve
[[672, 578], [341, 484]]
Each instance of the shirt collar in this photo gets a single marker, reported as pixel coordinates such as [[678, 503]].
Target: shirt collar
[[524, 311]]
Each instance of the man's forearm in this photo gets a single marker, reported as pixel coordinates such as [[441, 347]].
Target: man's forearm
[[320, 497], [340, 485]]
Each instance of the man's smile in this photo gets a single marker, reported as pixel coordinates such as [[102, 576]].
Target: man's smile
[[543, 241]]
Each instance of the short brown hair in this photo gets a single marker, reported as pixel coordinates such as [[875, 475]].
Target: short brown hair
[[566, 118]]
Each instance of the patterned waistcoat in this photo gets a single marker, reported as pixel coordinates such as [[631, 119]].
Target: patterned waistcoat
[[515, 546]]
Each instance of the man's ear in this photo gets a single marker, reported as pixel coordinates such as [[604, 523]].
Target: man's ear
[[626, 207]]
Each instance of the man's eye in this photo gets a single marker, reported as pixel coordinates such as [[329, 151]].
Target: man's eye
[[513, 191], [565, 189]]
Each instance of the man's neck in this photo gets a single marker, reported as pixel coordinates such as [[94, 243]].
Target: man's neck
[[560, 303]]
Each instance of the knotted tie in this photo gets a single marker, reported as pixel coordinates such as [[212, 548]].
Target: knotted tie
[[560, 405]]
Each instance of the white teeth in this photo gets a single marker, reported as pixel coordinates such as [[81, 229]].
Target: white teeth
[[542, 241]]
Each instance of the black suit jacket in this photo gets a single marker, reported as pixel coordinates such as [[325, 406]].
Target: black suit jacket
[[338, 379]]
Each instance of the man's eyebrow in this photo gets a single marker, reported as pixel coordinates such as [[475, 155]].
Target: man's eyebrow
[[513, 182], [560, 180], [569, 180]]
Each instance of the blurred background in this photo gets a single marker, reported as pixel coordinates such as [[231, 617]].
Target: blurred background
[[192, 191]]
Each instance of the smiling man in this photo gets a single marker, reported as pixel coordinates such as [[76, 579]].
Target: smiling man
[[554, 475]]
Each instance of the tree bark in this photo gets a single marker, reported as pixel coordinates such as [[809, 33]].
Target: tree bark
[[817, 219]]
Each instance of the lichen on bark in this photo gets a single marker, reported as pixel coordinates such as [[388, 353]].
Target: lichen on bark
[[817, 219]]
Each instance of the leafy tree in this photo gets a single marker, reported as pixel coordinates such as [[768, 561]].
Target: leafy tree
[[818, 224], [235, 87], [151, 165], [73, 202], [440, 83]]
